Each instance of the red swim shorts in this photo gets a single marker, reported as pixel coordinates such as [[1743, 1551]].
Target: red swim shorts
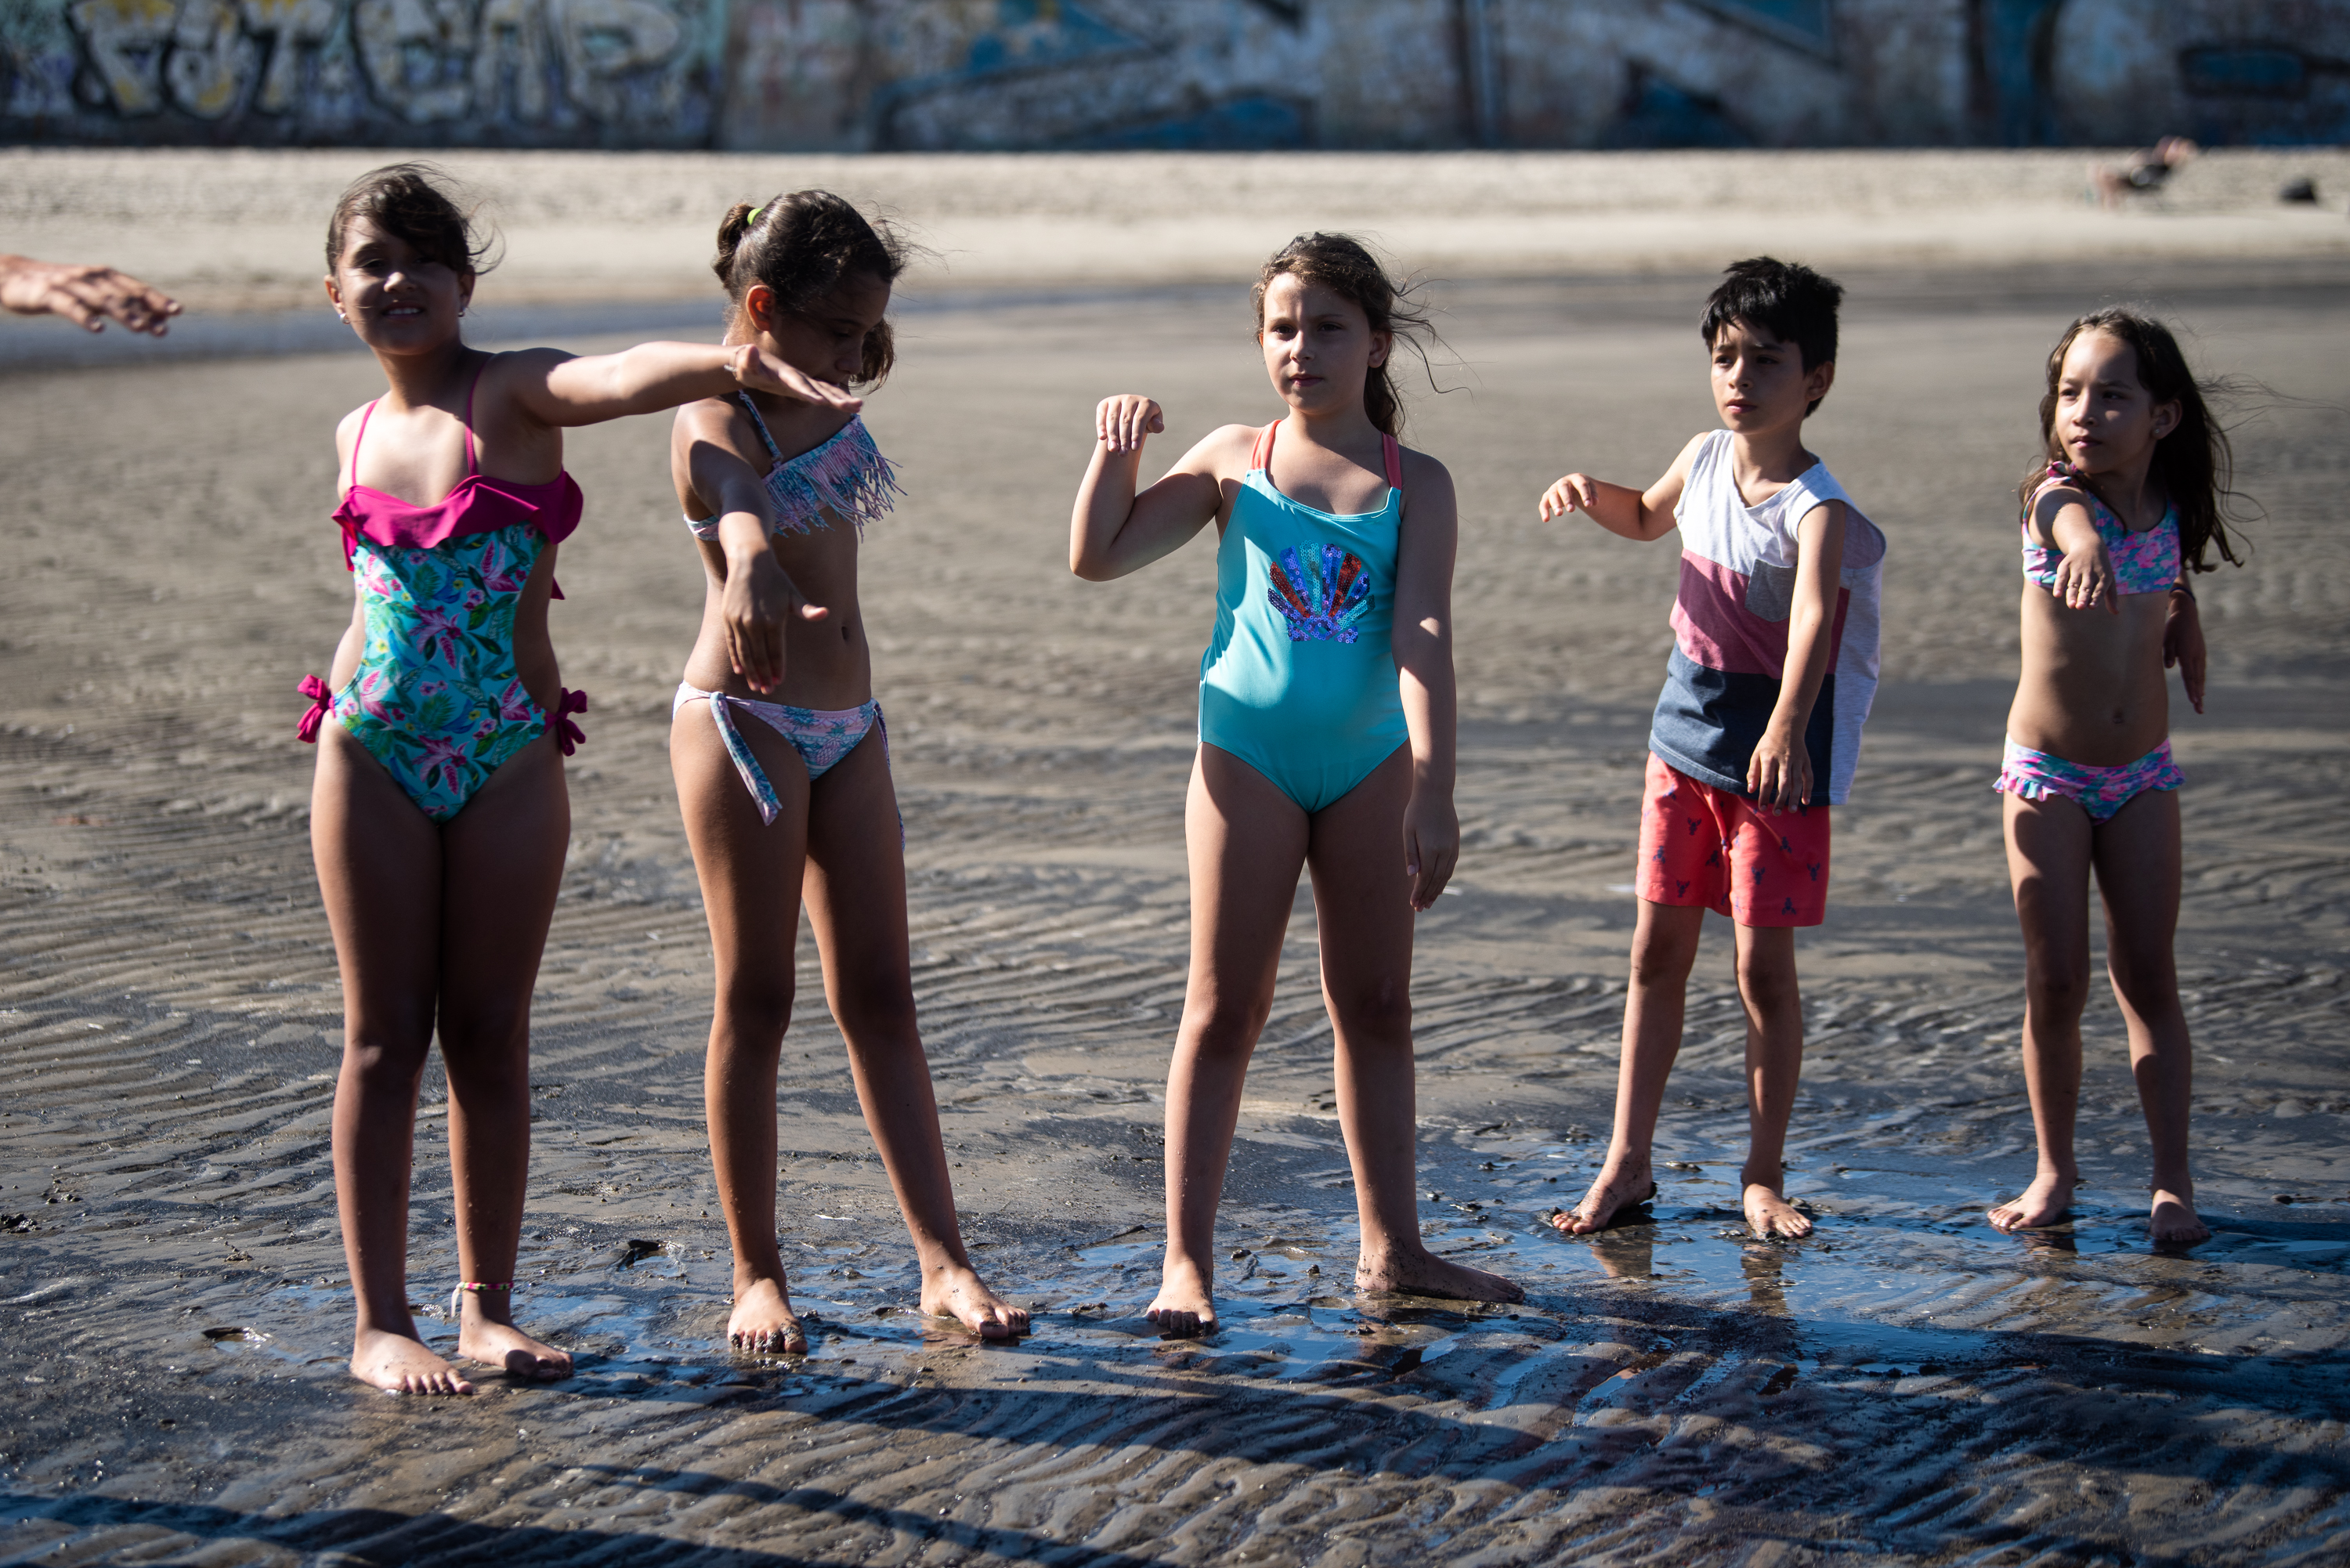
[[1704, 846]]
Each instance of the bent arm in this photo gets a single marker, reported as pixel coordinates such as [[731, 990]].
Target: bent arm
[[1780, 773], [1642, 515], [1113, 530], [757, 596]]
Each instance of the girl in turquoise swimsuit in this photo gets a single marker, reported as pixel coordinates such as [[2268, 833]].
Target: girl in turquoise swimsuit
[[781, 755], [438, 818], [1326, 742]]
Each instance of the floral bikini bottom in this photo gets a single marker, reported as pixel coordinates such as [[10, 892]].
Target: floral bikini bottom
[[2100, 792], [822, 736]]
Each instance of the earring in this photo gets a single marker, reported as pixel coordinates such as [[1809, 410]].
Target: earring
[[341, 315], [460, 310]]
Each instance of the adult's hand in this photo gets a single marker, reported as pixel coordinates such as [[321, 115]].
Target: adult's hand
[[83, 294]]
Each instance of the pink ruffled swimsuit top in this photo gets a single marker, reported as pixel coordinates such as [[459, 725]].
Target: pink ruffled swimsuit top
[[436, 698]]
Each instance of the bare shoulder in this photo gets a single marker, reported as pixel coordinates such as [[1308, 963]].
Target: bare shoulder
[[1223, 453], [1421, 469]]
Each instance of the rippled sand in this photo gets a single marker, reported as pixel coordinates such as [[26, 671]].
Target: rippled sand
[[1905, 1387]]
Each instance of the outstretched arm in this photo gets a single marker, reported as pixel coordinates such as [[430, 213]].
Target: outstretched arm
[[1422, 644], [558, 389], [1113, 530], [83, 294], [759, 596], [1779, 774], [1635, 514], [2085, 577]]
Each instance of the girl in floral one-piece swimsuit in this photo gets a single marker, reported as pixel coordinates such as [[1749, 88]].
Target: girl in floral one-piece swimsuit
[[2127, 503], [438, 818]]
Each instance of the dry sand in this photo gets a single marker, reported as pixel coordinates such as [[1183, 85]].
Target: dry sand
[[1906, 1387]]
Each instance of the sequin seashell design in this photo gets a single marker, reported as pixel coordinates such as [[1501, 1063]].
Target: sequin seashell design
[[1322, 593]]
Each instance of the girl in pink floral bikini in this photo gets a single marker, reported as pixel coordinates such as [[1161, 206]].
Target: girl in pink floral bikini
[[438, 818], [2130, 501]]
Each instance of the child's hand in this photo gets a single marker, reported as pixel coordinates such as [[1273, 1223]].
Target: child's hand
[[1779, 774], [2085, 577], [758, 598], [1575, 492], [1431, 846], [1121, 423], [2182, 645], [761, 372]]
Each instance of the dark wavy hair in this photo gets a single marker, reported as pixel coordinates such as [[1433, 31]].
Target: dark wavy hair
[[420, 204], [803, 245], [1342, 263], [2194, 462], [1786, 299]]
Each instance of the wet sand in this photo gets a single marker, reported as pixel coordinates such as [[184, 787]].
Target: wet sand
[[1906, 1385]]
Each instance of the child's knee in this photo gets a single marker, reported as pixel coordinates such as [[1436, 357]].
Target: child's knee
[[387, 1058], [874, 1007], [1768, 983], [1373, 1013], [1226, 1027], [2057, 985], [2147, 984], [756, 1008]]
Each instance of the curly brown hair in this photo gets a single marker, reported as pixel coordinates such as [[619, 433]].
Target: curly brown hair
[[803, 245]]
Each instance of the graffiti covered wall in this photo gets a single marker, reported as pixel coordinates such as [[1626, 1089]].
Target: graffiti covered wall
[[858, 75]]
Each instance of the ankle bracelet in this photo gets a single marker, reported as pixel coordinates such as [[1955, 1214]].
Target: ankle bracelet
[[478, 1287]]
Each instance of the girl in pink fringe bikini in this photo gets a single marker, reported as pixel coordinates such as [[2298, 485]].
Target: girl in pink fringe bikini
[[782, 756]]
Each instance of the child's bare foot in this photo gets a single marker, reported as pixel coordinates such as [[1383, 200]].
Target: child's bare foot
[[1621, 1185], [2047, 1200], [1769, 1214], [501, 1345], [956, 1292], [1185, 1308], [2173, 1220], [763, 1322], [400, 1363], [1420, 1272]]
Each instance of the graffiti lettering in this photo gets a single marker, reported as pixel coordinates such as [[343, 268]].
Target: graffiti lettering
[[126, 39], [290, 25]]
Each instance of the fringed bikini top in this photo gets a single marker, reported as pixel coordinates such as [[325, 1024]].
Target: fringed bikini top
[[2144, 563], [845, 474]]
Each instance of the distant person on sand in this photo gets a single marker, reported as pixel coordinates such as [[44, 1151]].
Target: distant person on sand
[[1326, 722], [439, 818], [2146, 172], [83, 293], [781, 755], [2127, 504], [1756, 736]]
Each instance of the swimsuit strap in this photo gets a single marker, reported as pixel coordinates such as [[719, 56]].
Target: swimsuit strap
[[759, 425], [1261, 454], [472, 468], [365, 414], [1391, 454]]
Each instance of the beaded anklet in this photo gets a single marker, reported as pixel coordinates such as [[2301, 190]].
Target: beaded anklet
[[478, 1287]]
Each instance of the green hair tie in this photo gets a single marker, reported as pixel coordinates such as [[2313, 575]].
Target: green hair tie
[[753, 221]]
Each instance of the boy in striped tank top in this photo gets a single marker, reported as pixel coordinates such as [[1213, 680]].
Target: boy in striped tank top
[[1756, 735]]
